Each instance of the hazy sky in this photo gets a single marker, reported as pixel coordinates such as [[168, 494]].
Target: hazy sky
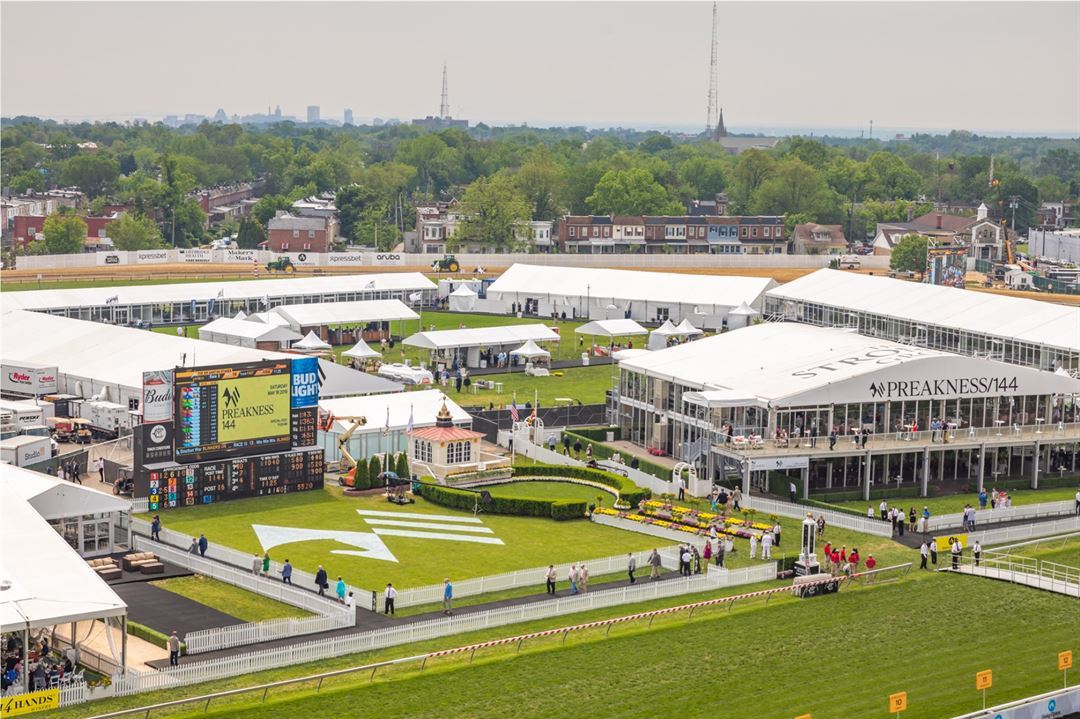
[[991, 66]]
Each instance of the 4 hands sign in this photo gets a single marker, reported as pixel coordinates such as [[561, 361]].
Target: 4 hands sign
[[30, 703]]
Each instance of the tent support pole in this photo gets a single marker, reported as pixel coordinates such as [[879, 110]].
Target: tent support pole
[[123, 644]]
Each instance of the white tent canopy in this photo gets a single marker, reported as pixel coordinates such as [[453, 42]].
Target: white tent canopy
[[48, 582], [311, 342], [240, 315], [268, 318], [481, 337], [744, 310], [620, 355], [361, 350], [685, 328], [530, 350], [612, 328], [666, 330], [232, 331], [462, 299], [344, 313], [53, 498]]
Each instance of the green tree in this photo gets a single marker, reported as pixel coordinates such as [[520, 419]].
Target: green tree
[[250, 234], [402, 465], [702, 177], [909, 254], [64, 234], [795, 187], [889, 178], [355, 205], [131, 231], [267, 206], [28, 180], [361, 476], [753, 168], [93, 174], [539, 179], [656, 143], [631, 192], [495, 214], [374, 470]]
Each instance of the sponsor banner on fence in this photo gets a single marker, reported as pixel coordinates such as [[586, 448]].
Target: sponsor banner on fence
[[157, 399], [1065, 704], [344, 258], [111, 258], [240, 256], [196, 255], [304, 259], [386, 259], [777, 463], [38, 701], [151, 257]]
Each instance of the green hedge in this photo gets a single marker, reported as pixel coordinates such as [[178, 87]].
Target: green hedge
[[877, 493], [151, 635], [517, 506], [602, 451], [596, 434], [628, 491]]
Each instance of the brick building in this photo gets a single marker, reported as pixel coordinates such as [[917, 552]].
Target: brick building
[[683, 234], [288, 233]]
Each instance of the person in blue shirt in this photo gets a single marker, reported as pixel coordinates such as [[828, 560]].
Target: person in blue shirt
[[447, 597], [340, 590], [982, 499]]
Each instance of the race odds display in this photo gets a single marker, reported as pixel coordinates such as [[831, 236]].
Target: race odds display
[[244, 430], [232, 410]]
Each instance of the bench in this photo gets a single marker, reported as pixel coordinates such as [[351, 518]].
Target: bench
[[152, 567], [132, 562], [105, 567]]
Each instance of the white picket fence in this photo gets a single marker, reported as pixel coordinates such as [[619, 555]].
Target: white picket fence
[[209, 640], [74, 693], [534, 577], [316, 650], [1021, 532], [832, 518], [999, 515]]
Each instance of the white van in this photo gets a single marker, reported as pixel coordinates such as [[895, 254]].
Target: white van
[[848, 262]]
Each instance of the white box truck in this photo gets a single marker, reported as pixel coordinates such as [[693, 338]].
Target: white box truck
[[24, 450], [23, 413], [106, 418], [26, 379]]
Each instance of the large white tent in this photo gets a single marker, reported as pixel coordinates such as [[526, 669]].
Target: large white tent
[[969, 321], [335, 314], [242, 333], [54, 498], [462, 299], [589, 292], [612, 328], [92, 356], [472, 340]]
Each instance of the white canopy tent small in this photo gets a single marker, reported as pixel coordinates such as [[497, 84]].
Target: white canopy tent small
[[240, 315], [687, 329], [659, 337], [311, 343], [612, 328], [742, 316], [362, 351], [531, 350], [463, 299]]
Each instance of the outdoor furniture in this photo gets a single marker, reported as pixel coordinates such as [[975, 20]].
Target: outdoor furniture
[[131, 562], [152, 567], [106, 568]]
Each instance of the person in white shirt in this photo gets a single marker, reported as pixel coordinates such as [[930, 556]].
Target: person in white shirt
[[870, 512], [349, 602], [1077, 508], [924, 554], [766, 545], [390, 594], [976, 551], [681, 484], [884, 509], [573, 577], [753, 545]]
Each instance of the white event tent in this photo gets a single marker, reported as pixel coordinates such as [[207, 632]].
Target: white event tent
[[335, 314], [240, 332], [447, 342], [311, 343], [462, 299], [361, 350]]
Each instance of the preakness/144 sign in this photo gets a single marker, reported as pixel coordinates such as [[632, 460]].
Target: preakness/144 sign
[[951, 387]]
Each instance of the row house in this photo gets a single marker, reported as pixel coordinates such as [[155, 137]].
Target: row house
[[685, 234], [289, 233], [27, 228], [438, 222]]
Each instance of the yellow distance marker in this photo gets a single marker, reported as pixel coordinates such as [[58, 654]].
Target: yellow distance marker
[[898, 702], [984, 679]]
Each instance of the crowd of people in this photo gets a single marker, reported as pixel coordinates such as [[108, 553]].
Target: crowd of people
[[44, 666]]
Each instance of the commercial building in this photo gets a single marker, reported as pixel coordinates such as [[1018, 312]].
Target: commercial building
[[593, 293], [196, 303], [1061, 245], [768, 397], [1009, 329], [438, 222], [685, 234], [312, 113]]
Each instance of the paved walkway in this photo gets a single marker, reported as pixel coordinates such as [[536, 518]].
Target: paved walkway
[[165, 611], [915, 539], [367, 620]]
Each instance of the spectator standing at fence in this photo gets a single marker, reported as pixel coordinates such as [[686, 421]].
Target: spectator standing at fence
[[340, 590], [976, 551], [870, 562], [566, 444], [266, 564], [631, 566], [766, 545], [924, 554], [720, 552], [854, 559], [697, 561], [957, 553], [654, 565], [320, 581], [256, 564], [583, 578], [573, 577], [753, 545], [706, 554], [286, 572], [870, 512], [832, 438], [933, 552], [174, 649], [194, 548], [155, 528], [448, 597], [101, 468], [983, 499], [577, 448], [549, 579], [884, 509], [685, 557], [388, 598], [203, 544]]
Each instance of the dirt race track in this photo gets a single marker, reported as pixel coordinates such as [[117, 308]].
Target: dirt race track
[[182, 272]]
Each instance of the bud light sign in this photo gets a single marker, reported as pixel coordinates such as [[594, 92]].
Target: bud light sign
[[305, 382]]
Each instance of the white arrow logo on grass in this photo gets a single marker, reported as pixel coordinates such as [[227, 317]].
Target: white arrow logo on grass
[[371, 545]]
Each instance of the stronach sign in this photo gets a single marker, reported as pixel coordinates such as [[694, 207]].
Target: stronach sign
[[30, 703]]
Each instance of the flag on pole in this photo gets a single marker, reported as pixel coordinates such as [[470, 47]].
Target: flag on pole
[[513, 410], [416, 296], [386, 427], [370, 285]]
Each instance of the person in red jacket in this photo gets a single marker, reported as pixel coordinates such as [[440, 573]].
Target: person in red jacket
[[854, 559], [836, 559], [870, 562], [843, 554]]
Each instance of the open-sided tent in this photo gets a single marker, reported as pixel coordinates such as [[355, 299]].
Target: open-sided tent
[[611, 328], [462, 299], [666, 330], [361, 351], [687, 329], [742, 316], [530, 350], [311, 343]]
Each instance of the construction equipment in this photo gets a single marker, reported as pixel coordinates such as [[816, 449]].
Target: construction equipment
[[1009, 252], [69, 429], [448, 263], [281, 264], [347, 466]]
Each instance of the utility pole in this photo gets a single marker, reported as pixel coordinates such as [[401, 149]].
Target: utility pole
[[1014, 202]]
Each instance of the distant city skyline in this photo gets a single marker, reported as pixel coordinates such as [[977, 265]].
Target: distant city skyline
[[784, 67]]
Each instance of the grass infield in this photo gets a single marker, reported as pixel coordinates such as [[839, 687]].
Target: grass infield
[[237, 602]]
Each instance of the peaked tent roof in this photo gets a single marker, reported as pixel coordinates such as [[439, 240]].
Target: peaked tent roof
[[231, 327], [240, 315], [530, 349], [612, 328], [361, 350], [463, 290], [686, 328], [337, 313], [744, 310], [668, 329], [311, 341]]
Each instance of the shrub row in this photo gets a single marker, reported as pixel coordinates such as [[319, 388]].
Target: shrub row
[[602, 451], [628, 491], [596, 434], [151, 635], [557, 509], [368, 470]]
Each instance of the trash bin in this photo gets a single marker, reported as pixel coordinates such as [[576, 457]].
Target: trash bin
[[584, 359]]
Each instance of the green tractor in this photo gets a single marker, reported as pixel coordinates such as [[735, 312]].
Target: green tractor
[[281, 264], [448, 263]]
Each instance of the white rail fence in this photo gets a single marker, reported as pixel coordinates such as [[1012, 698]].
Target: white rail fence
[[315, 650], [227, 555], [1066, 701], [1021, 532], [832, 517], [1031, 572], [1000, 514], [74, 693], [534, 577]]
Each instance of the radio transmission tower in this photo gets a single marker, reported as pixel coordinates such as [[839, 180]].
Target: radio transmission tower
[[444, 104], [712, 112]]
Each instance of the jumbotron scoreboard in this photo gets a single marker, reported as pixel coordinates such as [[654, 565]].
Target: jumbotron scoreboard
[[234, 431]]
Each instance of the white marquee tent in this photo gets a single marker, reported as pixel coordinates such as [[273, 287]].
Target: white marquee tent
[[240, 332], [471, 340], [462, 299], [612, 328], [334, 314], [311, 343], [530, 350], [361, 350]]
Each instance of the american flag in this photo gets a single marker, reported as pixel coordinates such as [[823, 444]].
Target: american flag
[[513, 411]]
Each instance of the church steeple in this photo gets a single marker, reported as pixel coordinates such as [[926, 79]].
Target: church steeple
[[721, 131]]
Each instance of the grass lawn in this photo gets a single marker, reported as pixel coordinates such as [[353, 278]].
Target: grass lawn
[[552, 490], [582, 384], [822, 657], [1052, 549], [191, 331], [954, 503], [235, 601], [527, 541]]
